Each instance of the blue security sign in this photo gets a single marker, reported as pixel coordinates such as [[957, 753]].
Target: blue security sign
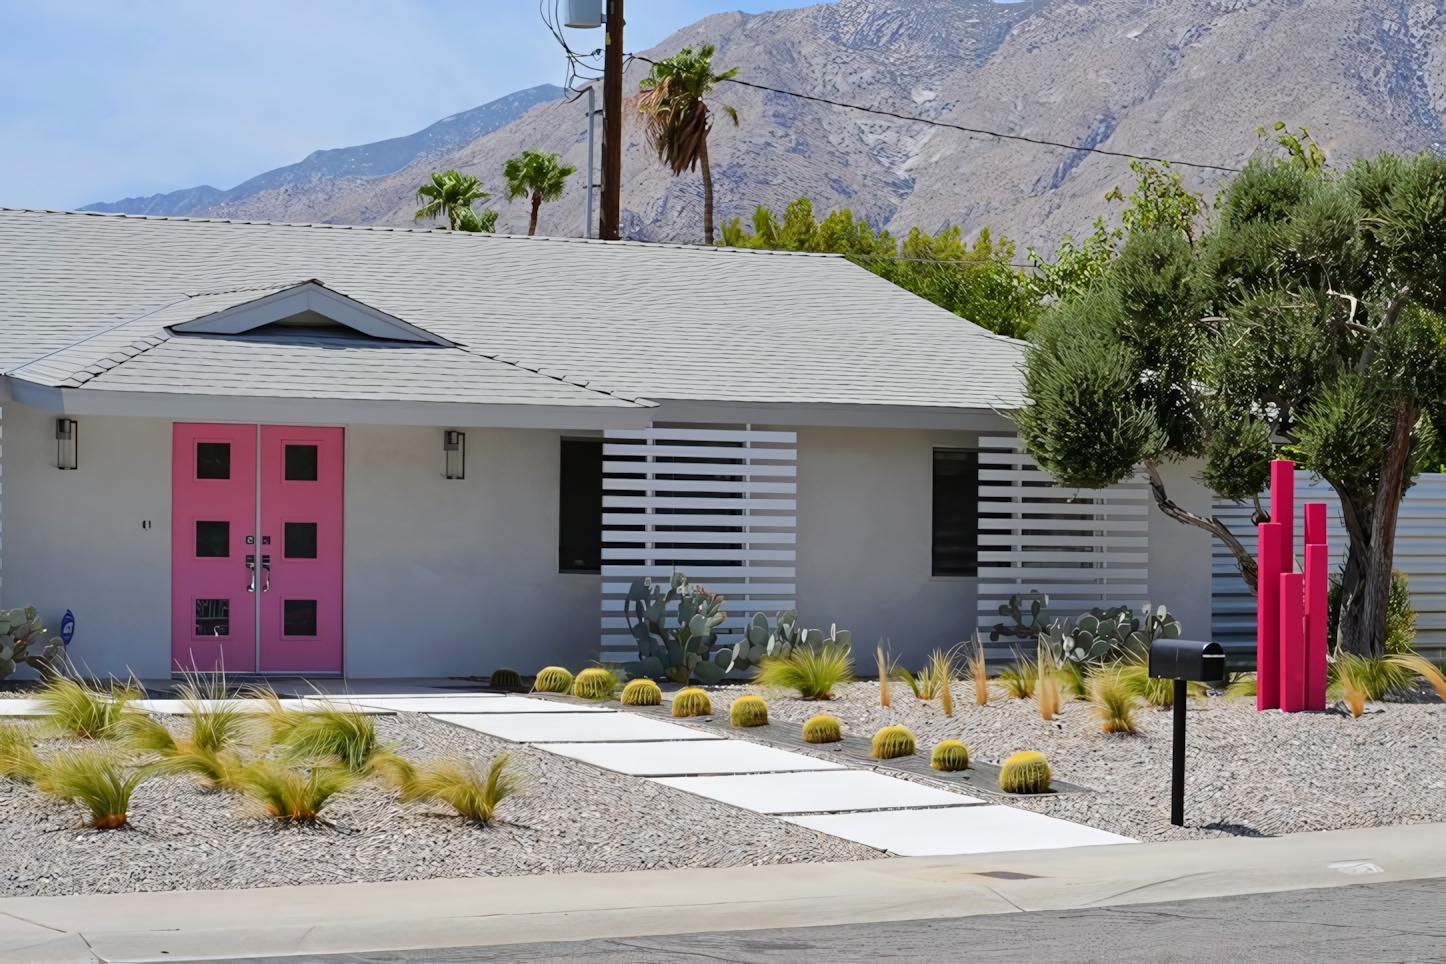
[[67, 627]]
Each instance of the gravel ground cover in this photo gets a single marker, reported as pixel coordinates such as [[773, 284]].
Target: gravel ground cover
[[573, 818], [1248, 773]]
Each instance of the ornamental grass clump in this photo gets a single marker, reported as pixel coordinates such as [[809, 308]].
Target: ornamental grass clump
[[209, 754], [822, 729], [892, 742], [328, 734], [749, 711], [504, 677], [464, 786], [595, 683], [1135, 676], [1112, 701], [1020, 678], [294, 794], [78, 710], [1367, 679], [1026, 772], [1046, 687], [1424, 668], [692, 702], [979, 672], [95, 779], [18, 760], [950, 756], [885, 671], [812, 674], [642, 692], [553, 679]]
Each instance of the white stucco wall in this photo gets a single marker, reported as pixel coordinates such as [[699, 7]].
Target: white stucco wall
[[865, 510], [457, 577], [1180, 554], [74, 540]]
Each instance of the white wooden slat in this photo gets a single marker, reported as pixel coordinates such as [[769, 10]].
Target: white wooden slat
[[717, 584], [754, 520], [753, 538], [698, 485], [694, 468], [1044, 555], [701, 452], [746, 436], [1007, 539], [693, 552], [701, 573], [696, 502], [1083, 525]]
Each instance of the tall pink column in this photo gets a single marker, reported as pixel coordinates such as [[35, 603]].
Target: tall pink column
[[1282, 508], [1267, 618], [1317, 604], [1292, 642]]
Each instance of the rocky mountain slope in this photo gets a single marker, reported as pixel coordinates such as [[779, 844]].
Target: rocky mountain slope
[[368, 160], [1186, 79]]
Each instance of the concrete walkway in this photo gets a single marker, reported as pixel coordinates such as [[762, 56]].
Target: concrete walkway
[[414, 915]]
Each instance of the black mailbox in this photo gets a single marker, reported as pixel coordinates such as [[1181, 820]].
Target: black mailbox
[[1187, 659]]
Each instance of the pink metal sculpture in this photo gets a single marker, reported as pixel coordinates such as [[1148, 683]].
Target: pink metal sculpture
[[1291, 613]]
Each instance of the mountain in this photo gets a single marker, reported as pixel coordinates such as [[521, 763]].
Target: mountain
[[368, 160], [1182, 79]]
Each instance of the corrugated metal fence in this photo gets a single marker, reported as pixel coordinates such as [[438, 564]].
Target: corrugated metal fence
[[1420, 553]]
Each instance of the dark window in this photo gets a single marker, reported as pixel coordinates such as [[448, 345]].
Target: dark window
[[301, 463], [956, 512], [579, 529], [298, 617], [213, 460], [213, 617], [213, 540], [300, 540]]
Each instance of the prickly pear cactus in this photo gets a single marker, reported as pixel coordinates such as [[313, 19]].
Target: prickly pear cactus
[[1028, 615], [682, 651], [1101, 635], [22, 641]]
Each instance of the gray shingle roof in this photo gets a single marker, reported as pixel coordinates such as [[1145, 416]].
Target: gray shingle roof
[[565, 319]]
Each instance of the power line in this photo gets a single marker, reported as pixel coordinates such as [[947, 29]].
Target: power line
[[969, 130]]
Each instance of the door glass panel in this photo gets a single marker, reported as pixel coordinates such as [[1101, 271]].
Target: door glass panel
[[301, 463], [300, 540], [298, 617], [213, 539], [213, 460], [213, 617]]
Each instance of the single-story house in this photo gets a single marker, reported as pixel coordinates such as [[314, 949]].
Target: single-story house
[[388, 452]]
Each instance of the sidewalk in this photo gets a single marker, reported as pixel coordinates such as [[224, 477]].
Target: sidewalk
[[349, 918]]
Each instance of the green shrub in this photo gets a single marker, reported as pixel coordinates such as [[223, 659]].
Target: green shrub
[[78, 710], [504, 677], [95, 779], [642, 692], [692, 702], [295, 794], [749, 711], [464, 786], [812, 674], [822, 729], [950, 755], [1026, 772], [892, 742], [553, 679], [595, 683], [1400, 615]]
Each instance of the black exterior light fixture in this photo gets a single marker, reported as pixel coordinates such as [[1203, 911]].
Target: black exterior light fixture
[[67, 444], [454, 446], [1184, 660]]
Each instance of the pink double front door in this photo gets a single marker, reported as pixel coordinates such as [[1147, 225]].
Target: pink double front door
[[256, 551]]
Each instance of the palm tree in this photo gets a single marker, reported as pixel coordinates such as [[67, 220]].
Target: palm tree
[[678, 118], [536, 174], [450, 193]]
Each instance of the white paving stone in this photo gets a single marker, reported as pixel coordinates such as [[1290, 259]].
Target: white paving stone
[[957, 830], [573, 727], [819, 792], [21, 707], [481, 704], [181, 707], [696, 758]]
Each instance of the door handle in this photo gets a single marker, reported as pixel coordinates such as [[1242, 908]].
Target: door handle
[[251, 564], [266, 564]]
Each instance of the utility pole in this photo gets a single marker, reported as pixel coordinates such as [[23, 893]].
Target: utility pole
[[612, 138], [588, 222]]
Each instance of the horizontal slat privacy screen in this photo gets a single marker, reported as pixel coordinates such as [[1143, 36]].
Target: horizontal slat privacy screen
[[718, 504], [1420, 554], [1081, 547]]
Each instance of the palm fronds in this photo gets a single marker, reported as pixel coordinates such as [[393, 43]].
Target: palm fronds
[[17, 752], [296, 794], [812, 674], [78, 710], [95, 779], [449, 194], [464, 786]]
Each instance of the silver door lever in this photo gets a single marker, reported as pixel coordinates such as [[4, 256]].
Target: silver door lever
[[251, 564]]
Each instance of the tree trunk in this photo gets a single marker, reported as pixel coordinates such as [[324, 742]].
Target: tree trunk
[[707, 192], [536, 205], [1212, 525], [1363, 621]]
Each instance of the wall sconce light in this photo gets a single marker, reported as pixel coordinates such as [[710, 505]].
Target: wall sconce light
[[454, 444], [67, 444]]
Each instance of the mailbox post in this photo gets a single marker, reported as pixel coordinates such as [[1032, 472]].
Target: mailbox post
[[1184, 660]]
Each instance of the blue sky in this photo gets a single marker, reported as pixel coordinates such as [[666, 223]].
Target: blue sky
[[103, 100]]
